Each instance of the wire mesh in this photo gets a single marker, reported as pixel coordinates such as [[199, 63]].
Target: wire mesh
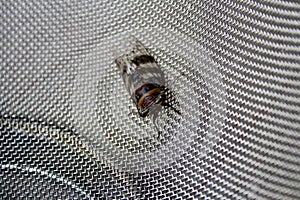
[[68, 128]]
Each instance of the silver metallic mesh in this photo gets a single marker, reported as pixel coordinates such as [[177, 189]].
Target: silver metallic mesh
[[68, 129]]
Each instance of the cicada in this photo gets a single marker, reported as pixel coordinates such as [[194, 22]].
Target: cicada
[[144, 80]]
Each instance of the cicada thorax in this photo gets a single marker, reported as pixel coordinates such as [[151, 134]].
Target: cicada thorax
[[138, 68]]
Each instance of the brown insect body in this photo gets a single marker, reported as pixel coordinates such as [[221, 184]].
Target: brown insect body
[[144, 81]]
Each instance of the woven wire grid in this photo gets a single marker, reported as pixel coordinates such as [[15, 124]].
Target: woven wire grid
[[67, 130]]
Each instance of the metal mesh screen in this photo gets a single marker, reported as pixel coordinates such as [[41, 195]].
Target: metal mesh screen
[[68, 128]]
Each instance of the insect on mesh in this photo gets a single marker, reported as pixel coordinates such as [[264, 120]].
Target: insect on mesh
[[69, 129]]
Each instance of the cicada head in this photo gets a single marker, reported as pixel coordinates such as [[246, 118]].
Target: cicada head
[[151, 98]]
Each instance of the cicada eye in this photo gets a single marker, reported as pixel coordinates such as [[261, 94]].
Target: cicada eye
[[143, 113]]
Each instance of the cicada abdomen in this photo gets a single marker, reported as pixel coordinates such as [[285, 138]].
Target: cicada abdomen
[[144, 80]]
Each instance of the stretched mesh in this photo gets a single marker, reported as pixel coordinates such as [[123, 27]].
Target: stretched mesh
[[69, 130]]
